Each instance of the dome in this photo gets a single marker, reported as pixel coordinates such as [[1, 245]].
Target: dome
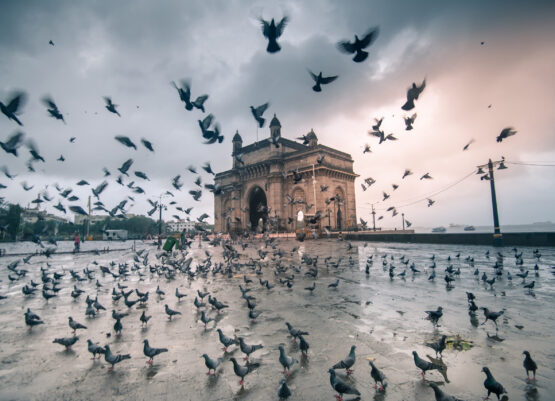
[[237, 137], [275, 122]]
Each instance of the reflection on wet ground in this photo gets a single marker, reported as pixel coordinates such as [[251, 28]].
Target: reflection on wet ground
[[382, 313]]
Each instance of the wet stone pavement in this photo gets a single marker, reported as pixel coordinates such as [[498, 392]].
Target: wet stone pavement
[[384, 317]]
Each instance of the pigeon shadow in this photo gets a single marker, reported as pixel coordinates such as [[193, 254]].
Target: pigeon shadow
[[67, 352], [531, 393], [151, 371], [213, 380], [473, 319]]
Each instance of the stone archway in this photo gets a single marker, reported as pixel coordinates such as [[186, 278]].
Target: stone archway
[[258, 208]]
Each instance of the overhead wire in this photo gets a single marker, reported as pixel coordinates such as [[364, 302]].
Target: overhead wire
[[425, 197]]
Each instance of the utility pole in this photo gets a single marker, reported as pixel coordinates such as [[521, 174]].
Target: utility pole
[[314, 187], [160, 224], [160, 227], [497, 236], [403, 216], [373, 218], [89, 218]]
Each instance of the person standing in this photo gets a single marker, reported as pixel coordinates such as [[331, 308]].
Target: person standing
[[76, 243]]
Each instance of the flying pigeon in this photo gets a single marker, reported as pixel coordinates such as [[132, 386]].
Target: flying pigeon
[[272, 32], [358, 45], [111, 107], [505, 133], [412, 94], [13, 108], [257, 113], [53, 109], [321, 80]]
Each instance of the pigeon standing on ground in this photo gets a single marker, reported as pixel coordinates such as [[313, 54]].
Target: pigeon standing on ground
[[493, 316], [225, 340], [66, 341], [75, 325], [171, 312], [492, 385], [113, 359], [242, 371], [32, 319], [423, 365], [144, 318], [348, 362], [152, 352], [378, 377], [340, 386], [248, 349], [211, 364], [94, 349], [438, 346], [285, 360], [434, 316], [529, 366], [283, 391], [303, 346], [295, 333], [272, 32]]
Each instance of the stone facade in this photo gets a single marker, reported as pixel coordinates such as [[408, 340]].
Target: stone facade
[[266, 177]]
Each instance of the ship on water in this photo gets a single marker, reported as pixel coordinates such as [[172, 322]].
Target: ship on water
[[438, 230], [469, 228]]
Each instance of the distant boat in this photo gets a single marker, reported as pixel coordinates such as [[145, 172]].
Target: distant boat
[[438, 230], [469, 228]]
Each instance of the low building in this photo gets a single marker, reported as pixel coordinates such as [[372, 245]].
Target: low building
[[180, 225], [80, 219], [31, 216]]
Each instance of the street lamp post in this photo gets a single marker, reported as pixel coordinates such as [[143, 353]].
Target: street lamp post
[[497, 236], [160, 206], [373, 218], [403, 217]]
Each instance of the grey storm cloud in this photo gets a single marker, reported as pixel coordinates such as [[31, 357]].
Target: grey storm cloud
[[131, 51]]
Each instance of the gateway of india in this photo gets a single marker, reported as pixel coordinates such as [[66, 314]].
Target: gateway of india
[[275, 179]]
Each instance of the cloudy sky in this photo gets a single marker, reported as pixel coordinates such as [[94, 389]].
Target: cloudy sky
[[132, 50]]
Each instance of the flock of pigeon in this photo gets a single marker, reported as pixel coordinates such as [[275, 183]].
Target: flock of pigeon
[[210, 132], [236, 263]]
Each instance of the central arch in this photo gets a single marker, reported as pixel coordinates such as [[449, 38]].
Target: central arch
[[258, 207]]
